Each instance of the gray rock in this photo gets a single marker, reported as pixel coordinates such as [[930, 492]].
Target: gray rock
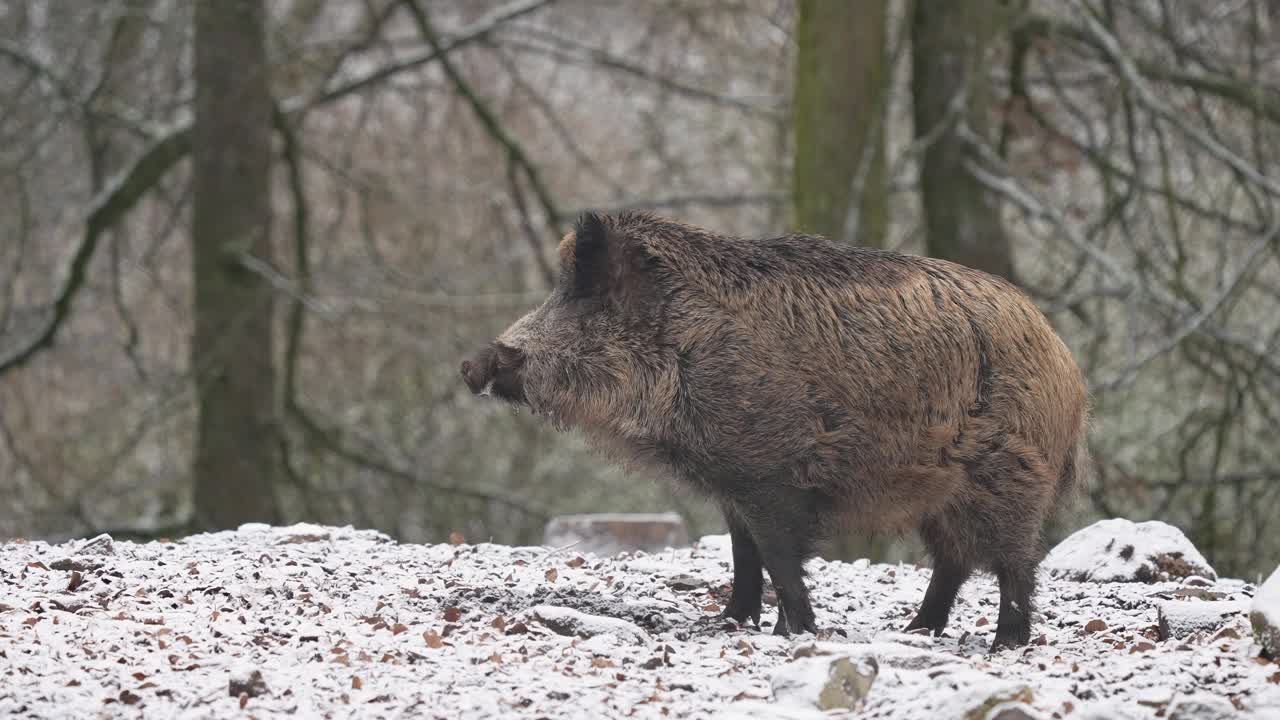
[[685, 582], [825, 682], [1014, 711], [100, 545], [612, 533], [1010, 699], [567, 621], [1201, 706], [1180, 618]]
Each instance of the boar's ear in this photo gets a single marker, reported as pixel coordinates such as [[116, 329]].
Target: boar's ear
[[591, 263]]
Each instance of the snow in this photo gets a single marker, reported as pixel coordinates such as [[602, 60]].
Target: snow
[[1265, 614], [344, 623], [825, 681], [571, 622], [1180, 618], [1118, 550]]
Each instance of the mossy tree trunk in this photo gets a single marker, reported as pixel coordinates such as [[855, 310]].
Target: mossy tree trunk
[[949, 49], [839, 186], [237, 444], [842, 75]]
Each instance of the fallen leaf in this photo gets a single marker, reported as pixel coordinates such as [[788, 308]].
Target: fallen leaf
[[129, 698], [552, 575], [982, 621], [711, 608], [518, 629], [1094, 626], [356, 682], [433, 639], [499, 622], [75, 582], [399, 628], [601, 661], [577, 562], [452, 614]]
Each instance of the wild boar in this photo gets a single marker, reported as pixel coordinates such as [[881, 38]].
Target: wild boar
[[809, 388]]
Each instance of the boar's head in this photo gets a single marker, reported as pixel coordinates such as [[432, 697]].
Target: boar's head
[[592, 348]]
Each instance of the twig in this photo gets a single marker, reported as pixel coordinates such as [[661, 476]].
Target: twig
[[487, 118], [160, 156]]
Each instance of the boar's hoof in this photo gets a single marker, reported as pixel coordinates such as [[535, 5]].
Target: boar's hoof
[[1011, 638], [742, 610], [785, 627]]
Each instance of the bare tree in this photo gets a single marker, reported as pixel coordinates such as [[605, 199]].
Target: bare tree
[[236, 460]]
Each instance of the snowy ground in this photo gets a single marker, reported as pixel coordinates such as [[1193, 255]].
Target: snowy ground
[[343, 623]]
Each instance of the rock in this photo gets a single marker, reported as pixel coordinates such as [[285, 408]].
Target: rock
[[887, 654], [1201, 706], [610, 533], [1119, 550], [100, 545], [247, 683], [1014, 711], [825, 682], [1264, 615], [1180, 618], [566, 621], [685, 582], [1000, 698]]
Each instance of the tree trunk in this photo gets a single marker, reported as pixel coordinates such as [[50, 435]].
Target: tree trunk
[[949, 40], [237, 446], [842, 75]]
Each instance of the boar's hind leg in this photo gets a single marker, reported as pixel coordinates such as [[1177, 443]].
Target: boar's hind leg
[[1017, 577], [783, 522], [748, 575], [950, 571]]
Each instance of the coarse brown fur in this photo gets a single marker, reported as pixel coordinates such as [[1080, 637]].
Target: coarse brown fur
[[810, 387]]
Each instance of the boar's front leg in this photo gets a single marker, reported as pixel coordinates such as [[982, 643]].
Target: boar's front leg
[[748, 573], [783, 523]]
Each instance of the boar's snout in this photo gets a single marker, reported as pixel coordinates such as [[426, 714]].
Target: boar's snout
[[495, 369], [478, 371]]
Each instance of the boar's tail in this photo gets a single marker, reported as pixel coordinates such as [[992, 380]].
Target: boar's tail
[[1074, 480]]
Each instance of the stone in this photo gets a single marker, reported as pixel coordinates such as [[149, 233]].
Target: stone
[[1014, 711], [825, 682], [685, 582], [1264, 615], [1201, 706], [567, 621], [1180, 618], [1119, 550], [248, 683], [100, 545], [612, 533], [1002, 699]]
